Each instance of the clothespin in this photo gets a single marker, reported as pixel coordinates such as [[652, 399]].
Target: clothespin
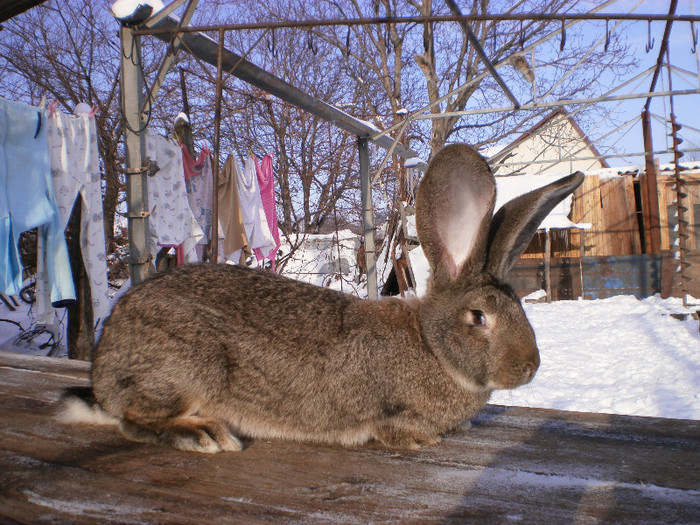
[[42, 104], [52, 106], [93, 111]]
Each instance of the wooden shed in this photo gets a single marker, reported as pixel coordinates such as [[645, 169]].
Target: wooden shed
[[608, 249], [614, 254], [607, 204], [613, 206]]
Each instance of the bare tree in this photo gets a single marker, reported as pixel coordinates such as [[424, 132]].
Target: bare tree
[[70, 53]]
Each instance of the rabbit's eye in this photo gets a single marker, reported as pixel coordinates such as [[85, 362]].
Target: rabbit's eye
[[477, 317]]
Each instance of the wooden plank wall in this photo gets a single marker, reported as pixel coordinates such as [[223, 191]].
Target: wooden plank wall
[[608, 204], [667, 197]]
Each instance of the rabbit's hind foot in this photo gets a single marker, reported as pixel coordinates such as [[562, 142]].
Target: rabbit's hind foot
[[191, 433], [393, 436]]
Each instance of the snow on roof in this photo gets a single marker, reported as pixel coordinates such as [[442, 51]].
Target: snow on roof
[[619, 171], [368, 124], [491, 151]]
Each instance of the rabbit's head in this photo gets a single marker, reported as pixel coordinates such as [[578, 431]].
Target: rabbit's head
[[471, 320]]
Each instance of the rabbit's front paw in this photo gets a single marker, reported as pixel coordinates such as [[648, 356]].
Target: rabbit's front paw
[[393, 437], [206, 435]]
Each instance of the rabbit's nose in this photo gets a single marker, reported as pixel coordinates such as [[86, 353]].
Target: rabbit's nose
[[531, 367], [529, 372]]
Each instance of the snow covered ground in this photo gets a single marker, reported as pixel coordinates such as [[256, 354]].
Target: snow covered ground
[[618, 355]]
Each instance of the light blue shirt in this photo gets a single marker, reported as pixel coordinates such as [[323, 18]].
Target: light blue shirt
[[26, 200]]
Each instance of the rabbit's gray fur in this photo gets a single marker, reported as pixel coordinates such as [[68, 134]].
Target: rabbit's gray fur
[[206, 353]]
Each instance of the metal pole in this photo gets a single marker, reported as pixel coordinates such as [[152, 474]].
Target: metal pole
[[662, 51], [169, 57], [185, 101], [136, 179], [368, 219], [556, 104], [548, 265], [217, 145], [152, 26], [650, 186], [206, 49], [480, 77]]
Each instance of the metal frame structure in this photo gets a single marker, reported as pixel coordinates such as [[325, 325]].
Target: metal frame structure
[[176, 32], [12, 8]]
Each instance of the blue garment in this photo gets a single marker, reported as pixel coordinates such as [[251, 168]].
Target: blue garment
[[26, 199]]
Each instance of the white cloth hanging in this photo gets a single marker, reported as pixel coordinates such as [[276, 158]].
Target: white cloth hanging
[[75, 172], [254, 220], [199, 178], [171, 221]]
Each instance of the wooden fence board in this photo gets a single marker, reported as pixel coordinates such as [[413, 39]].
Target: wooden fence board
[[514, 465]]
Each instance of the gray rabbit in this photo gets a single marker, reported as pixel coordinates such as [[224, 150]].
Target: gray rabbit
[[204, 354]]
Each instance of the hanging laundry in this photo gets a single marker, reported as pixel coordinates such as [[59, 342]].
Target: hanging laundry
[[75, 173], [259, 235], [172, 221], [27, 200], [266, 182], [236, 246], [199, 183], [199, 179]]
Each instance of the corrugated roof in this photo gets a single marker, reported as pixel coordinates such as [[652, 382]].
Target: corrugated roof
[[10, 8]]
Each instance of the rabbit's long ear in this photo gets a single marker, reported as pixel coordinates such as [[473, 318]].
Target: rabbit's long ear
[[516, 222], [453, 209]]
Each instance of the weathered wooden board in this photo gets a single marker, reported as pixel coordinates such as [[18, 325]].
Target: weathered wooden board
[[667, 207], [515, 465]]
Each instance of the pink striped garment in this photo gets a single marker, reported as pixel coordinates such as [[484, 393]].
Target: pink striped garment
[[266, 182]]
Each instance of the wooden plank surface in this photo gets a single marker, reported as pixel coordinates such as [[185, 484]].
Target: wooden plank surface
[[515, 465]]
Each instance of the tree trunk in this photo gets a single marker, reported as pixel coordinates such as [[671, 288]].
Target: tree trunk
[[81, 331]]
